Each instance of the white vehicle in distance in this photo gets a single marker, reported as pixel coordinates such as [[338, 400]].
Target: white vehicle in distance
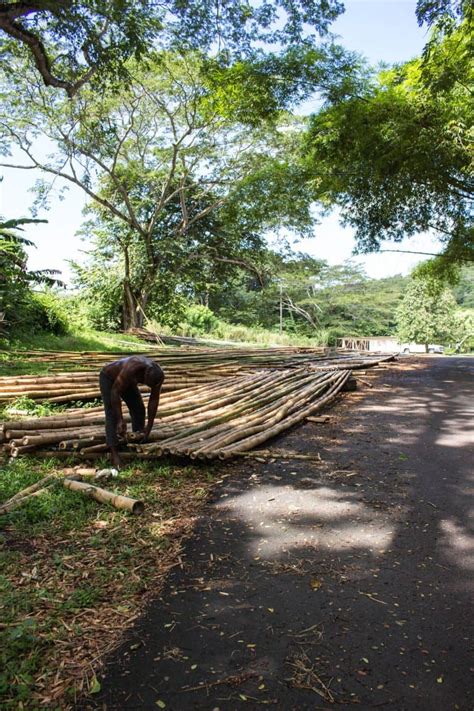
[[419, 348]]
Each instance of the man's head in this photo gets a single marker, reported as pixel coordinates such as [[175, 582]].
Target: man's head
[[153, 375]]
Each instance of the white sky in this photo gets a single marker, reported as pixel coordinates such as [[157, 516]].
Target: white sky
[[382, 30]]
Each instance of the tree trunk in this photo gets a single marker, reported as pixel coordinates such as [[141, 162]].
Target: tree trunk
[[132, 314]]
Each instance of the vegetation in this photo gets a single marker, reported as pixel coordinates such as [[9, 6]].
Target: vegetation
[[426, 313], [18, 304], [396, 156], [73, 44], [61, 553]]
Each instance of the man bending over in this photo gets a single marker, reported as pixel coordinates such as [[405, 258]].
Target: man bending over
[[119, 381]]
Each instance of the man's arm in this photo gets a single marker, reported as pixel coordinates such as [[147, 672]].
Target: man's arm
[[153, 403]]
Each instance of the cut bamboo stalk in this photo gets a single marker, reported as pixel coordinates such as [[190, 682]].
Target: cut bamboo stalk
[[251, 442], [10, 506], [280, 454], [30, 489], [106, 497]]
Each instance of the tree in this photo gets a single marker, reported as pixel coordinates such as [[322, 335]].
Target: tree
[[426, 314], [122, 284], [72, 43], [16, 279], [317, 299], [396, 158]]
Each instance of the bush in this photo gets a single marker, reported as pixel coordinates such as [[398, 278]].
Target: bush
[[200, 320], [46, 312], [39, 312]]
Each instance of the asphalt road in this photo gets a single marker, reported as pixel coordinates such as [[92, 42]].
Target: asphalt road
[[345, 584]]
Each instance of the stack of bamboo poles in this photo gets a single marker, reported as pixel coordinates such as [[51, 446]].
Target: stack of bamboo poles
[[219, 419], [185, 371], [204, 358], [84, 385]]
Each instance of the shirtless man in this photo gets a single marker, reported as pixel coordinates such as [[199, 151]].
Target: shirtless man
[[119, 381]]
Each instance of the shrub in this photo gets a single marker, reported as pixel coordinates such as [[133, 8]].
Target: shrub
[[199, 320], [46, 312]]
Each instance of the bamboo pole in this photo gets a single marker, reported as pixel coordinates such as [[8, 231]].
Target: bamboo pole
[[10, 506], [106, 497], [29, 490]]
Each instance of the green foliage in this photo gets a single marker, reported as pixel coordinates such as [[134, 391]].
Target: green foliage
[[17, 302], [199, 321], [90, 40], [463, 288], [426, 314], [47, 312], [397, 158], [317, 300]]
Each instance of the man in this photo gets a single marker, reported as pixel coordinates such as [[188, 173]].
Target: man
[[119, 381]]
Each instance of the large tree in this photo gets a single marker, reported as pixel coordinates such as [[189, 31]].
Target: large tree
[[397, 156], [72, 43], [426, 314], [158, 157]]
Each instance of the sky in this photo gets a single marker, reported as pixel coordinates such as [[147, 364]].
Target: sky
[[381, 30]]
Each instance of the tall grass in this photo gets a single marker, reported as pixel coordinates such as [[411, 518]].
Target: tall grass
[[245, 335]]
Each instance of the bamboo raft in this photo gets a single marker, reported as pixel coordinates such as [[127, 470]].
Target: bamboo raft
[[216, 420]]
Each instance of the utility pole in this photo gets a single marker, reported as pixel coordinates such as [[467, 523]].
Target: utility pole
[[281, 307]]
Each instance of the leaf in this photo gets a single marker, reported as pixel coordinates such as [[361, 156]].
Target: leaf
[[440, 680], [95, 686], [315, 584], [161, 704], [193, 666]]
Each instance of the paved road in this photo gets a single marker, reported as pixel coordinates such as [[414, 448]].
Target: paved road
[[348, 584]]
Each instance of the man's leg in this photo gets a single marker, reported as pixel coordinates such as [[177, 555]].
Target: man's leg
[[134, 402], [110, 423]]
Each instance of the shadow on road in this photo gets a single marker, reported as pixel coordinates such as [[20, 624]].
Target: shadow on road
[[346, 584]]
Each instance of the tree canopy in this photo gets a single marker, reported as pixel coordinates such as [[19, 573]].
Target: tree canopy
[[72, 43], [426, 314], [159, 157], [397, 157]]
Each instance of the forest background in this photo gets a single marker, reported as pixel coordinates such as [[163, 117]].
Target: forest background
[[186, 136]]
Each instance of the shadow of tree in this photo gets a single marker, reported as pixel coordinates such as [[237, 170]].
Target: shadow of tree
[[345, 583]]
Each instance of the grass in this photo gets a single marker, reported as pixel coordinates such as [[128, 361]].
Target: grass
[[12, 362], [74, 574], [246, 335]]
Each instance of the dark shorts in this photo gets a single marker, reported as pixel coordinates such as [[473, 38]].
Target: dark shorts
[[132, 399]]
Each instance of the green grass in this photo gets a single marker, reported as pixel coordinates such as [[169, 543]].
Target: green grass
[[246, 335], [62, 554], [85, 340], [13, 363]]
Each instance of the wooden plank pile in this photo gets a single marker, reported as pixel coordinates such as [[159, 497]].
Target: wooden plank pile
[[220, 419]]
